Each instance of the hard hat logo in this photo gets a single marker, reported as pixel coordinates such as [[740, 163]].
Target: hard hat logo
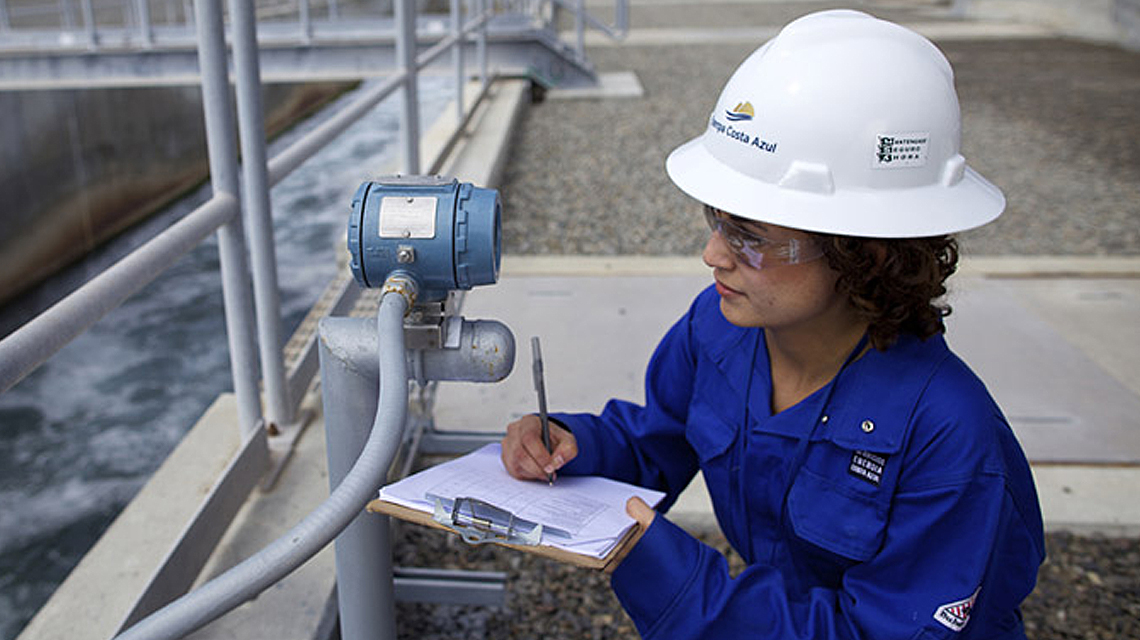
[[899, 151], [741, 112], [740, 136]]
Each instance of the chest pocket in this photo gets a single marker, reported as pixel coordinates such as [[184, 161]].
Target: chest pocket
[[830, 515], [840, 499], [709, 433], [714, 415]]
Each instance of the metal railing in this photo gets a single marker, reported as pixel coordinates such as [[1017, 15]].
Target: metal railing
[[113, 24], [240, 200], [28, 347]]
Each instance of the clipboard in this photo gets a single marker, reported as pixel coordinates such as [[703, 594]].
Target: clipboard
[[606, 564]]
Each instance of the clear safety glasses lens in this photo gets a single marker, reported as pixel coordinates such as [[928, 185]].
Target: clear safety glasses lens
[[754, 249]]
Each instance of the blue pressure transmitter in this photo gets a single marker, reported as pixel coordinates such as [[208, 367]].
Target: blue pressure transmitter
[[443, 234]]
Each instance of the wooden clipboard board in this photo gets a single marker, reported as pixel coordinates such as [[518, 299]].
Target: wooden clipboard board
[[608, 563]]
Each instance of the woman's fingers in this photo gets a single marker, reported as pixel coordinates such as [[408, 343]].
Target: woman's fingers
[[638, 510], [524, 452]]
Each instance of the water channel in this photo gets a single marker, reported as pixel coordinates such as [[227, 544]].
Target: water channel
[[80, 436]]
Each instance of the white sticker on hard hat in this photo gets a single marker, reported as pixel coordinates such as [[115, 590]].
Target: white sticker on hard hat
[[900, 150]]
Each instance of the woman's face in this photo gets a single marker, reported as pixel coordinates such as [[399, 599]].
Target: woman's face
[[778, 296]]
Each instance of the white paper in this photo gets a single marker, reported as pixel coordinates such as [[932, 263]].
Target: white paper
[[589, 508]]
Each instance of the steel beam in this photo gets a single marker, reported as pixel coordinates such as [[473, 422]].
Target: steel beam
[[444, 586]]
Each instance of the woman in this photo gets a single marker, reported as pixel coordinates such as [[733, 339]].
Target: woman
[[860, 469]]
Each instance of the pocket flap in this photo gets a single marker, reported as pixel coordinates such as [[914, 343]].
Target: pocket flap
[[829, 515], [712, 436]]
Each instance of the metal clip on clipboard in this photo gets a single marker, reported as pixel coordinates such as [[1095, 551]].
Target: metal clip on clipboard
[[479, 522]]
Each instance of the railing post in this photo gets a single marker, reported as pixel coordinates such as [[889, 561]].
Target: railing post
[[89, 22], [405, 14], [142, 11], [555, 16], [257, 213], [67, 14], [481, 43], [224, 179], [306, 22], [457, 56], [580, 27]]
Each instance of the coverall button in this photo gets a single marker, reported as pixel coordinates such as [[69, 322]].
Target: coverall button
[[823, 420], [868, 426]]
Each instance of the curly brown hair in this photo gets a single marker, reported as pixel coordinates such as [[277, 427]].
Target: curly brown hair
[[894, 284]]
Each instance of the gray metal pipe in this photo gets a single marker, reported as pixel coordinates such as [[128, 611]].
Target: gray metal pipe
[[481, 44], [146, 32], [222, 153], [88, 11], [257, 213], [483, 352], [457, 58], [304, 540], [32, 344], [365, 596], [306, 22], [405, 16]]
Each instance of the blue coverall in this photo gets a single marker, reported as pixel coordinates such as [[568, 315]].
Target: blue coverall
[[894, 503]]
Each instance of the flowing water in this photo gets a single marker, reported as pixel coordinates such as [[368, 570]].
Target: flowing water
[[80, 436]]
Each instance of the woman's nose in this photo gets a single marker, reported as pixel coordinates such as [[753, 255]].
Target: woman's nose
[[717, 254]]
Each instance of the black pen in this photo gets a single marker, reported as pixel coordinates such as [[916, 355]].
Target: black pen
[[540, 387]]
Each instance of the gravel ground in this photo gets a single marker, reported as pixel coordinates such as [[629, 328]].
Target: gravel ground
[[1053, 122], [1089, 588]]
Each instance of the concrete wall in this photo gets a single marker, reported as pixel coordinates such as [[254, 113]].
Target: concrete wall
[[79, 166]]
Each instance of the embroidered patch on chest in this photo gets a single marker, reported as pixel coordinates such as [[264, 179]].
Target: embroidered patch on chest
[[955, 615], [868, 466]]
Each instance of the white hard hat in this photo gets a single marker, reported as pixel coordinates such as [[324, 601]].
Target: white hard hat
[[844, 124]]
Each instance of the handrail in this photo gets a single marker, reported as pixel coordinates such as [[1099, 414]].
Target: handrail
[[31, 345], [56, 327], [22, 351], [618, 30], [27, 348], [137, 25]]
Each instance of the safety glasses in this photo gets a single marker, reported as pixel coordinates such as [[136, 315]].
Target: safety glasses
[[754, 249]]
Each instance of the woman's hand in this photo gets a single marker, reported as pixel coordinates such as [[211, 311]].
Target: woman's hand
[[644, 514], [524, 454]]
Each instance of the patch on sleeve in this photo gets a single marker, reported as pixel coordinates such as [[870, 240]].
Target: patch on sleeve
[[868, 466], [955, 615]]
